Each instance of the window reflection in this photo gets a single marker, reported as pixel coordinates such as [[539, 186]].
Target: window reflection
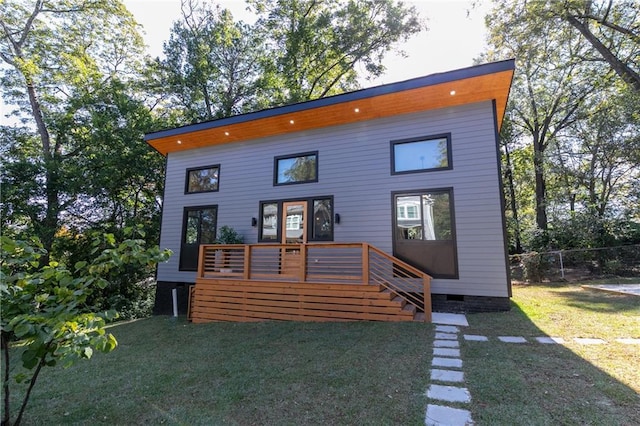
[[417, 155], [425, 216], [296, 169], [270, 222], [322, 219], [203, 179]]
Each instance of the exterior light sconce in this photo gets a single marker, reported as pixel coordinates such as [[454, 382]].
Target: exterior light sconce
[[337, 218], [254, 221]]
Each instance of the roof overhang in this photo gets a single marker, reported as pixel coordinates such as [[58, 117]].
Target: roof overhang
[[487, 82]]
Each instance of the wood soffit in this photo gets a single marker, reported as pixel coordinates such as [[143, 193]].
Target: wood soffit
[[488, 87]]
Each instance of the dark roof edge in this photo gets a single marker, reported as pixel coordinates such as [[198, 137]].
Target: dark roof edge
[[414, 83]]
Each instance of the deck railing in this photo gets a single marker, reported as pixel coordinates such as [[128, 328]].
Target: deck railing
[[344, 263]]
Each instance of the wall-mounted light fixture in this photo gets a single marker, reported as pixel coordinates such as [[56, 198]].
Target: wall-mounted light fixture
[[337, 218], [254, 221]]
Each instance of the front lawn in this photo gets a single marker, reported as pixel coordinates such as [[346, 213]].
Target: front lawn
[[173, 372], [541, 384], [168, 371]]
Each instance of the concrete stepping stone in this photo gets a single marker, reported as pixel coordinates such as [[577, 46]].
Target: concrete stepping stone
[[447, 375], [437, 415], [454, 353], [447, 328], [446, 336], [446, 362], [449, 393], [512, 339], [475, 338], [587, 341], [449, 319], [550, 340], [629, 341], [446, 344]]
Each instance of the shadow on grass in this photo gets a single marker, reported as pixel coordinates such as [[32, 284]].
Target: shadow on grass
[[547, 384]]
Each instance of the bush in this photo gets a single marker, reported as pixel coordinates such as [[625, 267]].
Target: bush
[[534, 266]]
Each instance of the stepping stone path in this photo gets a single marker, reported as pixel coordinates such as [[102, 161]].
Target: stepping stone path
[[446, 367], [447, 374], [549, 340]]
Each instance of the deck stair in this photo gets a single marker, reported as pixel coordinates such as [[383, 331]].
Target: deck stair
[[306, 282]]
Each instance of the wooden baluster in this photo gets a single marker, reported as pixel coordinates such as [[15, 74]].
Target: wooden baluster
[[247, 262]]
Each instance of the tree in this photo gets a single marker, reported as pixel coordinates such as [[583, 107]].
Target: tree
[[317, 47], [297, 50], [45, 308], [567, 106], [212, 63], [551, 87], [61, 58], [611, 28]]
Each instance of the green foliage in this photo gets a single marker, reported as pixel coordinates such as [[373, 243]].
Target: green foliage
[[318, 46], [69, 70], [534, 266], [571, 125], [296, 51], [228, 235], [48, 308]]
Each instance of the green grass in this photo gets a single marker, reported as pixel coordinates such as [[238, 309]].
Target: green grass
[[168, 371], [556, 384], [172, 372]]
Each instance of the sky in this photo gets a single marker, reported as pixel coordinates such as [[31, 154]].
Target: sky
[[454, 38]]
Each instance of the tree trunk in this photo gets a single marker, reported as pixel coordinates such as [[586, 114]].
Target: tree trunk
[[541, 187], [512, 201], [5, 378], [627, 74]]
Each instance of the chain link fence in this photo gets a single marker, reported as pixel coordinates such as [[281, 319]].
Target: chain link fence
[[578, 264]]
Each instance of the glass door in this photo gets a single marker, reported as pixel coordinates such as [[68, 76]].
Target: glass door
[[294, 222], [294, 231]]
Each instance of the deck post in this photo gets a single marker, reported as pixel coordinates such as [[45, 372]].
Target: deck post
[[200, 273], [426, 281], [247, 262], [303, 260], [365, 263]]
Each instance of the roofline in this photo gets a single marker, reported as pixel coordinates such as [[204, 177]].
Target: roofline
[[414, 83]]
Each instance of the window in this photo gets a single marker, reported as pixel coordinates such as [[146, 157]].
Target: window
[[202, 179], [322, 228], [421, 154], [297, 168], [269, 231], [199, 227], [319, 227], [424, 231]]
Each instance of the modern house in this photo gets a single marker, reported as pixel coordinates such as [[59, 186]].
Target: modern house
[[407, 173]]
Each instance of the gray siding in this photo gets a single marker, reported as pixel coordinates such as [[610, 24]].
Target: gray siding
[[355, 167]]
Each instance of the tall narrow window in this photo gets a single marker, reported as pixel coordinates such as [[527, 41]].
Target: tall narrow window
[[202, 179], [421, 154], [199, 228], [424, 231], [322, 227], [269, 231], [297, 168]]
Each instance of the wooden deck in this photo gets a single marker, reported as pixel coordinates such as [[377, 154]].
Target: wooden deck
[[306, 282]]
